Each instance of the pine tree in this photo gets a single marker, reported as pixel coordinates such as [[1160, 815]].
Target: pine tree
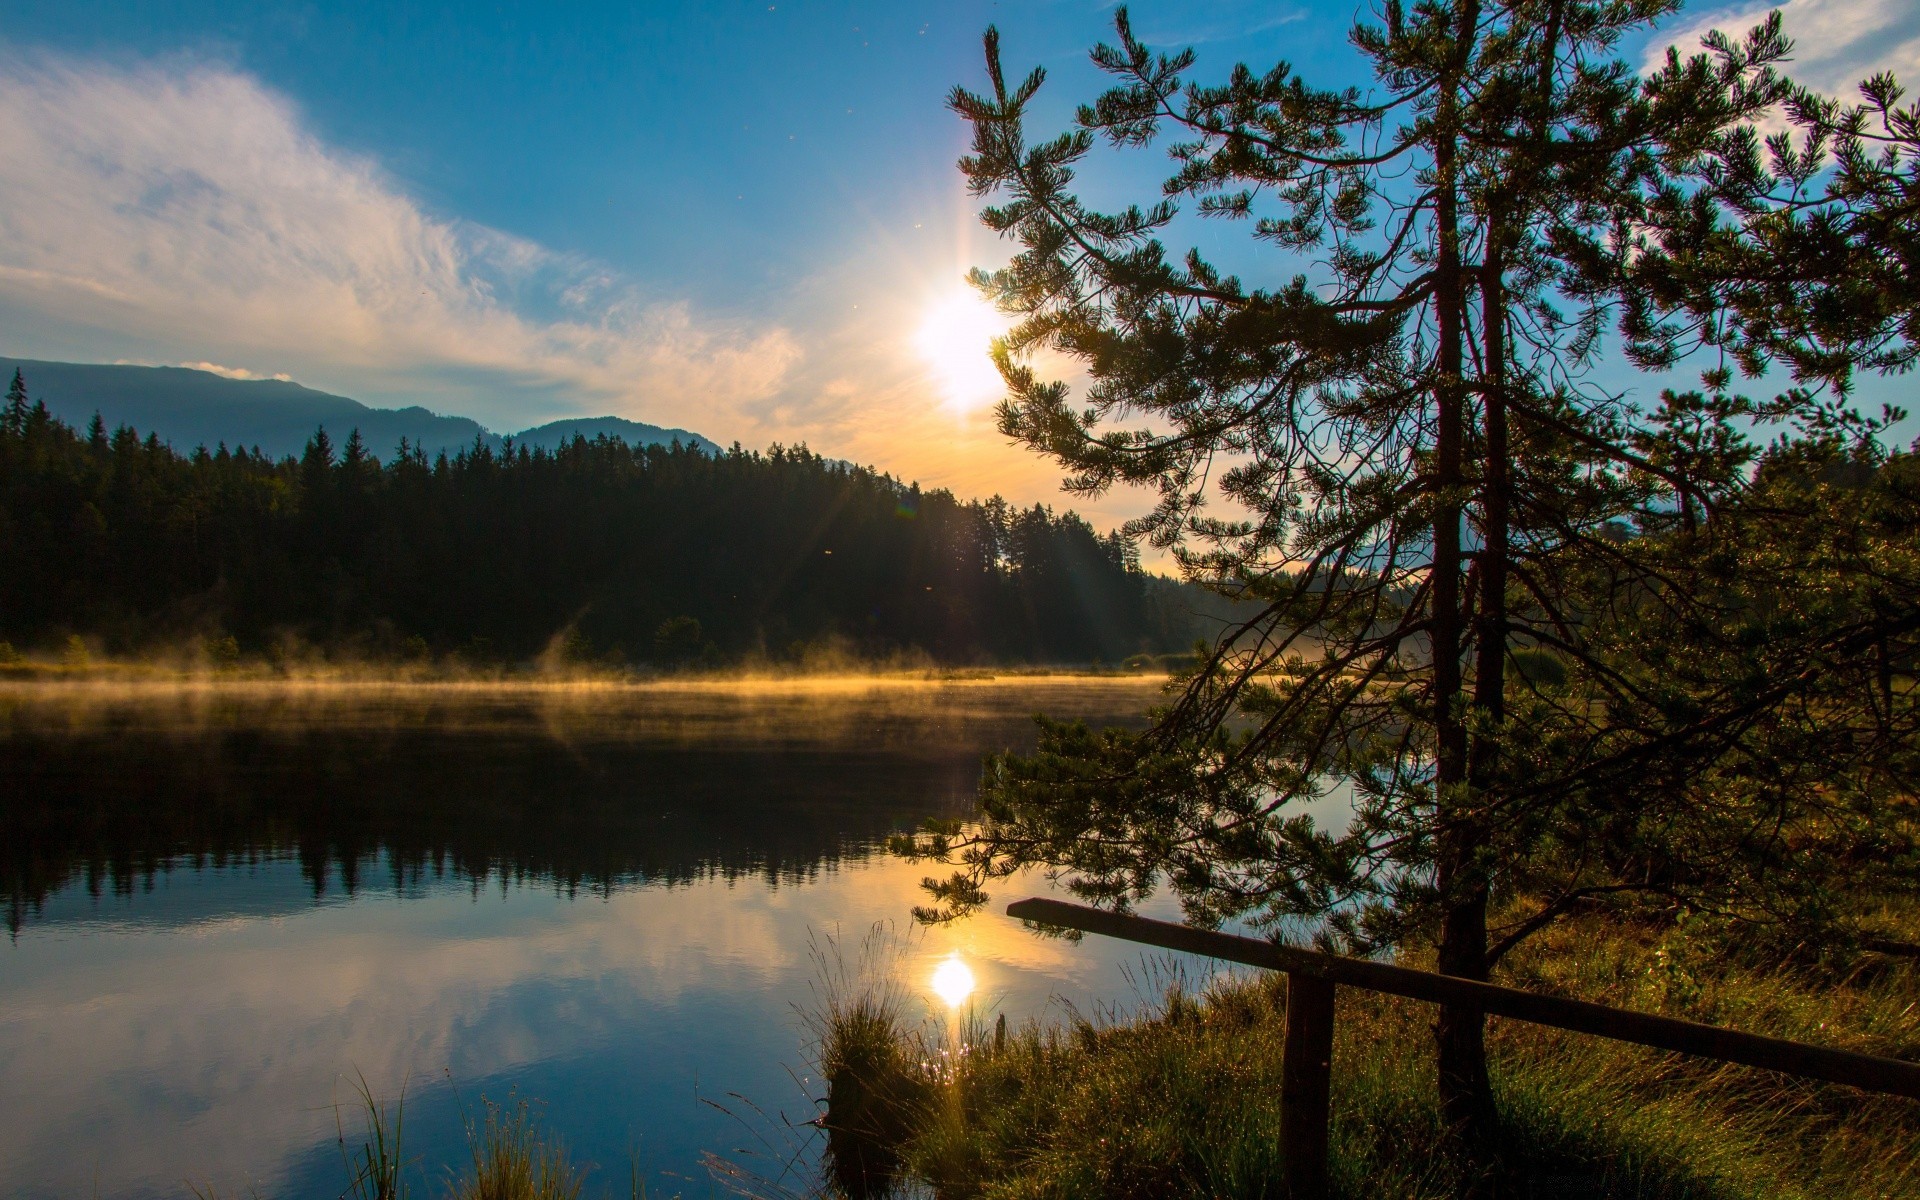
[[316, 462], [1421, 487], [16, 414]]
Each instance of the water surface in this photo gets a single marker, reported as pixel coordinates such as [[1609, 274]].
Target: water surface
[[227, 904]]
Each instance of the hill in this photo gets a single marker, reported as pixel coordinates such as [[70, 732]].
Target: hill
[[189, 408], [555, 434]]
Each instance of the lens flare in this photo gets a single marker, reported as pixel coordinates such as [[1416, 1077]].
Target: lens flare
[[952, 981]]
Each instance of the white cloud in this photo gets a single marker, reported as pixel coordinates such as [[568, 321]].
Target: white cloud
[[1837, 43], [185, 211], [233, 372]]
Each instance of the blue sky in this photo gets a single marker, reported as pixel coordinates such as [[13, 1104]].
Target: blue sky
[[731, 217], [724, 151]]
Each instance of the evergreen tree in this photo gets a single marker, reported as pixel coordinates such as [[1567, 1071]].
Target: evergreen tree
[[1422, 489], [16, 414], [318, 455]]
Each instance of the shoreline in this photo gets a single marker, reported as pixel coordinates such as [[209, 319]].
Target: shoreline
[[160, 681]]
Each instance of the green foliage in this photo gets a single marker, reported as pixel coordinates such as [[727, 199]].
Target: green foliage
[[1538, 667], [1798, 249], [1557, 645], [874, 1089], [122, 539], [680, 641]]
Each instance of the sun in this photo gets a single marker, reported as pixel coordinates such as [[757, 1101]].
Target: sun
[[953, 339]]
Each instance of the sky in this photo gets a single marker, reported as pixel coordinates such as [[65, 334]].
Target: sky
[[742, 219]]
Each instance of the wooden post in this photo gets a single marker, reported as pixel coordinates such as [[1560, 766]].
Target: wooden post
[[1305, 1077]]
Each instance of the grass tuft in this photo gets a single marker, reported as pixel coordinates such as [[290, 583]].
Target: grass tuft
[[513, 1159], [871, 1059]]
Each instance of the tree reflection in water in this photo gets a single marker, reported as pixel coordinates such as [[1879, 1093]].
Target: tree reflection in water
[[589, 788]]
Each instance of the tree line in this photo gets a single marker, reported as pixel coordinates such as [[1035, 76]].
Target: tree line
[[596, 551]]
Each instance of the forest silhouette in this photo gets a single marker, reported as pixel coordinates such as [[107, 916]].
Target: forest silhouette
[[594, 552]]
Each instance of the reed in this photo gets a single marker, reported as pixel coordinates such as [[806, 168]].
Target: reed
[[375, 1171]]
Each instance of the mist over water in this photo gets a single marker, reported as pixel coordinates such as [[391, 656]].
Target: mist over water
[[226, 902]]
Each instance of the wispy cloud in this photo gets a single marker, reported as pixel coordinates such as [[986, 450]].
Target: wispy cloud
[[185, 213], [1837, 43], [1221, 29], [186, 209]]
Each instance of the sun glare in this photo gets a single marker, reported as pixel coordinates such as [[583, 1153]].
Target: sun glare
[[953, 340], [952, 981]]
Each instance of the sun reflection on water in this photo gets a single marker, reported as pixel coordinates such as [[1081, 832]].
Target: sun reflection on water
[[953, 980]]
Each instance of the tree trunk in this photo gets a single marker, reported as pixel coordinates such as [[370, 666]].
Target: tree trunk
[[1465, 1094], [1466, 1091]]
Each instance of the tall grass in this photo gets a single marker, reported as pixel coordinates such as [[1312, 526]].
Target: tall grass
[[1184, 1099], [871, 1059], [513, 1159], [374, 1172], [511, 1156]]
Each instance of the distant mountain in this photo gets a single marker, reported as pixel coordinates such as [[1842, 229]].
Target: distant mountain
[[190, 408], [633, 433]]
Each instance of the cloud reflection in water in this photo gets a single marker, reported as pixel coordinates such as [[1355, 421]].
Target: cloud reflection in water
[[195, 1027]]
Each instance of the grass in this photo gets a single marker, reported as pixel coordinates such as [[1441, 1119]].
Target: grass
[[1183, 1101], [375, 1173], [512, 1156], [513, 1159], [870, 1060]]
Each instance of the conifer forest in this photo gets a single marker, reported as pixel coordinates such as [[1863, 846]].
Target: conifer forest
[[597, 552]]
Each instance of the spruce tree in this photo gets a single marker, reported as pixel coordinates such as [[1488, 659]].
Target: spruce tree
[[1422, 488], [16, 414]]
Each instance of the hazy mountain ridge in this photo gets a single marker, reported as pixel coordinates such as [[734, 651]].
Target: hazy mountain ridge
[[189, 407]]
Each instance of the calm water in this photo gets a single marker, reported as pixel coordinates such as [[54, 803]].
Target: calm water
[[228, 904]]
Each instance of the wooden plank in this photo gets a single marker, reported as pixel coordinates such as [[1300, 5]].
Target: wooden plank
[[1306, 1084], [1864, 1071]]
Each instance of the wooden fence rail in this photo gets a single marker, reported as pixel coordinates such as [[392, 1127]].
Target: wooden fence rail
[[1306, 1073]]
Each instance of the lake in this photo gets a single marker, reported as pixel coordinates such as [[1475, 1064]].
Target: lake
[[229, 903]]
